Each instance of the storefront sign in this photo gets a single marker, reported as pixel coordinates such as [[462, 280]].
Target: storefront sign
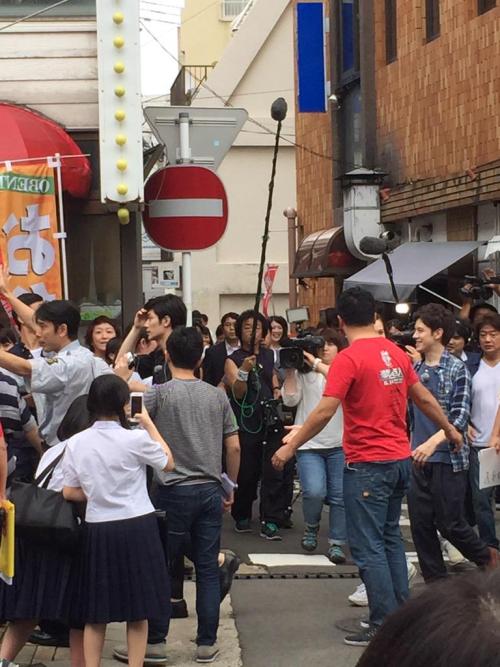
[[28, 223]]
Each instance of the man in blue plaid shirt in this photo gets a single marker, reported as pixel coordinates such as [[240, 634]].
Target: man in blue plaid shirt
[[436, 498]]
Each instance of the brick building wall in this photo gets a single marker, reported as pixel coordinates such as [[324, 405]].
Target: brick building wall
[[314, 194], [438, 102]]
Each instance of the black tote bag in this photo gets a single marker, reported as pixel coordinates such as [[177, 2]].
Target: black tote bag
[[43, 516]]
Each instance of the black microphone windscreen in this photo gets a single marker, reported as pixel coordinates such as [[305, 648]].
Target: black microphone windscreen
[[279, 109], [371, 245]]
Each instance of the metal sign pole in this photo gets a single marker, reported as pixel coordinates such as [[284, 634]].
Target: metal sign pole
[[62, 232], [185, 158]]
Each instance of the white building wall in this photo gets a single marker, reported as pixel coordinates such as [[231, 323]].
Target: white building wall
[[52, 67], [231, 267], [225, 277]]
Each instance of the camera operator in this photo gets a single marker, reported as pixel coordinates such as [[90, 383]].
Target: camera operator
[[320, 461], [253, 383], [478, 289]]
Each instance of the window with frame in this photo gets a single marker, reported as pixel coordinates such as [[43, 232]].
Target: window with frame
[[432, 24], [391, 28], [348, 22], [485, 5], [20, 8]]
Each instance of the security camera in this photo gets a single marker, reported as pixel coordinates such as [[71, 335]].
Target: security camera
[[334, 101]]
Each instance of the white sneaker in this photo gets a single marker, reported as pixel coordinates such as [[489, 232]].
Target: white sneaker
[[412, 571], [359, 598], [454, 555]]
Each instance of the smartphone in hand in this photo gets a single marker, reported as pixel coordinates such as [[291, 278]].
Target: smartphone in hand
[[136, 404]]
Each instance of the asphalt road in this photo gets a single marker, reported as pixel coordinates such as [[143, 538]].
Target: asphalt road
[[291, 623]]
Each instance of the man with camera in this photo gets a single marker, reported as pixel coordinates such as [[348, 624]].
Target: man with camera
[[252, 385], [372, 380]]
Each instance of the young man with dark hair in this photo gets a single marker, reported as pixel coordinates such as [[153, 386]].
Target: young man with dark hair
[[197, 421], [485, 398], [62, 377], [372, 380], [159, 316], [215, 356], [436, 497], [458, 342]]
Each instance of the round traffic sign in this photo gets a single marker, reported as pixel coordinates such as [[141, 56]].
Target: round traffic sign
[[186, 208]]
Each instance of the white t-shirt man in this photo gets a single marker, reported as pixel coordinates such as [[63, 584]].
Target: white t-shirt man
[[485, 401]]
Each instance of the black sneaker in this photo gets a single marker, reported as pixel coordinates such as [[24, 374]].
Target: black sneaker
[[361, 638], [227, 571], [45, 639], [270, 531], [364, 622], [243, 526]]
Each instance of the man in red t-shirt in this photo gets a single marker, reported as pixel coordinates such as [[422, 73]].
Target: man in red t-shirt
[[372, 380]]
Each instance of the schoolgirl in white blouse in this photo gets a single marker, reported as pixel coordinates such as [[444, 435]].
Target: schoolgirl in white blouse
[[123, 574]]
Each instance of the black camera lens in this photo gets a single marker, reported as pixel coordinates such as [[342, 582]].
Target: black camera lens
[[291, 357]]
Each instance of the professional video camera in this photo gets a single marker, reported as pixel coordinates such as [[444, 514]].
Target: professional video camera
[[292, 353], [403, 338], [479, 287], [276, 414]]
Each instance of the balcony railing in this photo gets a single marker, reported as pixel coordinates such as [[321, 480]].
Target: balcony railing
[[187, 83], [230, 9]]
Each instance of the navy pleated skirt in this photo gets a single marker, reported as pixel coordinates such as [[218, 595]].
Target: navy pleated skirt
[[123, 572], [43, 585]]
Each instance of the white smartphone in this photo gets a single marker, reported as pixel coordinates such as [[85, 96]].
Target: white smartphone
[[135, 404]]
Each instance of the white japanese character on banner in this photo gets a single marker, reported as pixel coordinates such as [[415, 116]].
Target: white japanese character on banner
[[42, 252]]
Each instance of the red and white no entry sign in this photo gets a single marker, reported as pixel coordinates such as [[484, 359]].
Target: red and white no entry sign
[[186, 208]]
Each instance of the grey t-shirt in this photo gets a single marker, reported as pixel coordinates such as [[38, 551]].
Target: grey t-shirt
[[193, 417]]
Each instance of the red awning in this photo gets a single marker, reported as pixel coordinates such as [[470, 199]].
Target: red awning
[[27, 134], [324, 254]]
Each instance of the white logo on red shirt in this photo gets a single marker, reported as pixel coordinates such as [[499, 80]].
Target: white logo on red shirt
[[386, 358]]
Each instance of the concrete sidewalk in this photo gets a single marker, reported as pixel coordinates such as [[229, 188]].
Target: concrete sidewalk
[[181, 646]]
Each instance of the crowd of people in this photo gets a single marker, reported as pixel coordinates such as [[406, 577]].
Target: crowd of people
[[374, 422]]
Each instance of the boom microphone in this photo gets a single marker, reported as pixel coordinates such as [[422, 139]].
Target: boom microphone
[[279, 109], [371, 245]]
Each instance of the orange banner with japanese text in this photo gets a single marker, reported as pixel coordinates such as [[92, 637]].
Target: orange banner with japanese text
[[28, 225]]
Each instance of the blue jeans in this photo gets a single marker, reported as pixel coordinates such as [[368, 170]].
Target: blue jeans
[[373, 493], [321, 474], [482, 501], [194, 514]]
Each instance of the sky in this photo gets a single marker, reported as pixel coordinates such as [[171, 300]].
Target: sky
[[162, 18]]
